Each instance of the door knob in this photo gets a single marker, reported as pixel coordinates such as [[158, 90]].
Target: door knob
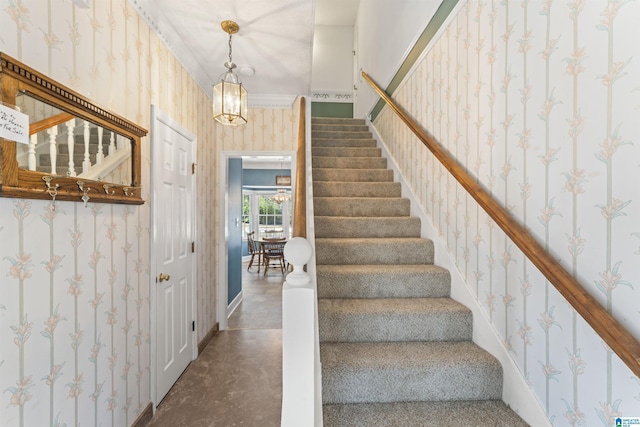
[[162, 277]]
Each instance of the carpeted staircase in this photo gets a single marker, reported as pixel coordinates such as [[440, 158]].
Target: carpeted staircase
[[395, 349]]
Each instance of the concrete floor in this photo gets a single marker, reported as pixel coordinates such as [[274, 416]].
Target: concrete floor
[[237, 380]]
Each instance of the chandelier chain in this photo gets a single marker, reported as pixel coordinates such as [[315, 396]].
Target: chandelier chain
[[230, 61]]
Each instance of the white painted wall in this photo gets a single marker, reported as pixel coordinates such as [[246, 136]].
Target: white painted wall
[[332, 59], [386, 30]]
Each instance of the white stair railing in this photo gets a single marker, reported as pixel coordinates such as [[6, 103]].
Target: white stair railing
[[52, 133], [100, 153], [31, 153], [115, 165], [86, 163], [71, 145], [112, 145]]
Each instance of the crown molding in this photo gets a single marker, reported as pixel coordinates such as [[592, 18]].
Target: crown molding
[[170, 39], [271, 101], [148, 12]]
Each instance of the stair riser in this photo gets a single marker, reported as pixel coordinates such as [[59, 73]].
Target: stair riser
[[482, 413], [367, 227], [362, 252], [412, 383], [339, 128], [346, 152], [358, 207], [332, 120], [353, 175], [365, 143], [357, 189], [392, 326], [350, 162], [341, 135], [409, 282]]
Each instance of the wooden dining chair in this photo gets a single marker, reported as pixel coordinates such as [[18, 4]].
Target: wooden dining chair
[[254, 249], [273, 254]]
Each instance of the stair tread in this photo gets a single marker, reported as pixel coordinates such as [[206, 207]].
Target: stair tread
[[393, 320], [477, 413], [390, 305], [378, 269], [382, 355], [383, 281], [392, 225], [346, 151], [372, 240], [365, 372], [356, 189]]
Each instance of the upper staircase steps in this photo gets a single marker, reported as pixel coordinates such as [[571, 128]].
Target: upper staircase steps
[[395, 349]]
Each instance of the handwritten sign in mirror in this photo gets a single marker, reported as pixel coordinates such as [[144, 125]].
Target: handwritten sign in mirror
[[14, 125]]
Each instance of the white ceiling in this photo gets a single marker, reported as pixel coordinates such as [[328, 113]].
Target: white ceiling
[[275, 38]]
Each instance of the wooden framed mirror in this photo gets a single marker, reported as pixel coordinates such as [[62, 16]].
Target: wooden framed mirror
[[75, 150]]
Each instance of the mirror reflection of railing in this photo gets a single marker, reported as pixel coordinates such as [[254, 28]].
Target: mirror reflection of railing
[[52, 164], [61, 144]]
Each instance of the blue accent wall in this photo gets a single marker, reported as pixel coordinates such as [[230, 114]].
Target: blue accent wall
[[262, 177], [234, 267]]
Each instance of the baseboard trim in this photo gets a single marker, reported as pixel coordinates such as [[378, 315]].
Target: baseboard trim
[[145, 416], [208, 337]]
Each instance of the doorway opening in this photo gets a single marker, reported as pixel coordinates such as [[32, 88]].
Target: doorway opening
[[248, 206]]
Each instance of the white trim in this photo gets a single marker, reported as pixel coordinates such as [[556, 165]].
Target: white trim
[[158, 115], [515, 391], [222, 293], [234, 304], [170, 40], [271, 101]]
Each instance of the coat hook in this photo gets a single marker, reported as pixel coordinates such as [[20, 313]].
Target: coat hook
[[84, 197], [52, 190], [106, 189], [128, 191]]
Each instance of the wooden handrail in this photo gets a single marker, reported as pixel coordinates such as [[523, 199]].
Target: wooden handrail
[[625, 345], [49, 122], [300, 197]]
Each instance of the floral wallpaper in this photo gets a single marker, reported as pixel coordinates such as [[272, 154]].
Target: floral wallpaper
[[75, 332], [540, 101]]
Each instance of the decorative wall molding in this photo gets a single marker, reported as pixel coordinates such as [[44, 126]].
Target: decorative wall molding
[[331, 96], [149, 13], [271, 101]]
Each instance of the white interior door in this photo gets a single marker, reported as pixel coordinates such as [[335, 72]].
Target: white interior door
[[173, 197]]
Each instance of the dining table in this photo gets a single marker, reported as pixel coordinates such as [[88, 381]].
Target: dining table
[[268, 240]]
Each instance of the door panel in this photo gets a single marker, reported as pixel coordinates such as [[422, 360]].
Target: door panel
[[173, 215]]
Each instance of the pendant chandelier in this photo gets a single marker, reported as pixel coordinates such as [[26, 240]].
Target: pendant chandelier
[[282, 195], [229, 97]]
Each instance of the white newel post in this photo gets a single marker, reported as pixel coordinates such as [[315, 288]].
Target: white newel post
[[52, 132], [31, 159], [298, 338], [100, 153], [86, 163], [70, 145]]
